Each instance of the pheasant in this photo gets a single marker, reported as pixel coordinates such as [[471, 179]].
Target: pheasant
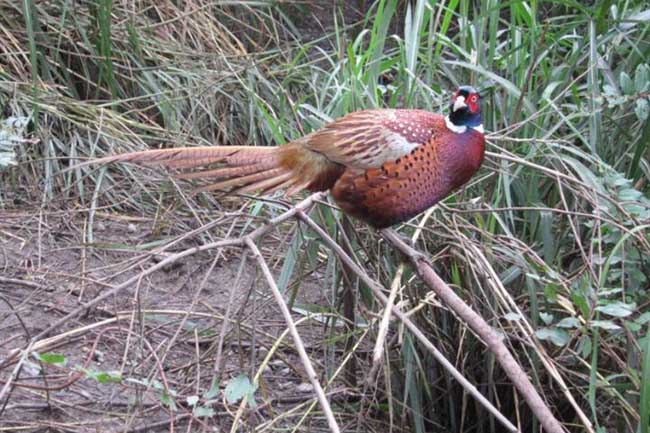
[[382, 166]]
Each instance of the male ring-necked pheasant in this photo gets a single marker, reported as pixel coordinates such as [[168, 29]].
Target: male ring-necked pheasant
[[382, 166]]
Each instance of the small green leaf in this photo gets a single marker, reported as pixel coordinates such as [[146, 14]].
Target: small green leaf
[[609, 292], [581, 302], [629, 194], [627, 85], [203, 412], [584, 346], [633, 326], [642, 78], [643, 318], [605, 324], [642, 110], [617, 309], [550, 291], [238, 388], [192, 400], [105, 377], [557, 336], [51, 358], [546, 318], [569, 322], [611, 92]]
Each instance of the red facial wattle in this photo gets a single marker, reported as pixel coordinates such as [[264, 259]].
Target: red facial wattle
[[472, 103]]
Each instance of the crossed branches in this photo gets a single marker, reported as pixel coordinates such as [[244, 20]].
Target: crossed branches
[[425, 272]]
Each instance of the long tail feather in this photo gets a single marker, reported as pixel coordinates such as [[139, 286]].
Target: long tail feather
[[238, 168], [221, 173], [265, 185], [190, 157]]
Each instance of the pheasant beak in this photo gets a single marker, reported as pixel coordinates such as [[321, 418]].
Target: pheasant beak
[[459, 103]]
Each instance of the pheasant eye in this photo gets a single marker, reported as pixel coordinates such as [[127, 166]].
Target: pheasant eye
[[474, 98]]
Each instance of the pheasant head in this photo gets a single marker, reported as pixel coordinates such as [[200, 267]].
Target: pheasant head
[[465, 110]]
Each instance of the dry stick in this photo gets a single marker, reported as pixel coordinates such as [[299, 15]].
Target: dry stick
[[15, 372], [309, 368], [417, 333], [246, 240], [298, 210], [383, 327], [491, 275], [216, 369], [378, 352], [484, 330], [303, 205]]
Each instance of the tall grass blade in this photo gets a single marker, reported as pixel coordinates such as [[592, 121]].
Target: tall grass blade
[[644, 403], [103, 19]]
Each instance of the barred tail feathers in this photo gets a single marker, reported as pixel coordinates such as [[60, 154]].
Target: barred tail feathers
[[238, 168]]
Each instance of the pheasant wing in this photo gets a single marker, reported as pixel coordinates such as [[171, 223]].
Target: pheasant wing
[[369, 138]]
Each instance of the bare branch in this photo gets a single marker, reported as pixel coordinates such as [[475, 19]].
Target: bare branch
[[483, 330], [303, 205], [309, 368], [377, 290]]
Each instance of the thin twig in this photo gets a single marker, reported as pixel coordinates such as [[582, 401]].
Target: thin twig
[[507, 361], [303, 205], [309, 368], [32, 284]]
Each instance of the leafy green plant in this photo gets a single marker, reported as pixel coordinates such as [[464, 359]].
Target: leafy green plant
[[51, 358], [103, 377], [166, 395], [240, 387], [203, 409]]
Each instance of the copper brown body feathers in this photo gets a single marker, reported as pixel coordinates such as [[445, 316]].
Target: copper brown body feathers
[[382, 166]]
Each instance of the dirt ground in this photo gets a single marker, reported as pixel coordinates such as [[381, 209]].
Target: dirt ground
[[161, 334]]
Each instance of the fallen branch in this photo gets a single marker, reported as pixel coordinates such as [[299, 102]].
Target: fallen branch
[[300, 207], [244, 241], [309, 368], [377, 290], [491, 338]]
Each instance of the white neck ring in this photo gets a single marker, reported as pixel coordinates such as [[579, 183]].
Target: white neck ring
[[460, 129]]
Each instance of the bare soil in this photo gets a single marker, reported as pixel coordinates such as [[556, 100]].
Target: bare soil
[[160, 333]]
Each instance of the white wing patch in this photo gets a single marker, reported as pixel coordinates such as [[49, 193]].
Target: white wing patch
[[397, 146], [394, 145]]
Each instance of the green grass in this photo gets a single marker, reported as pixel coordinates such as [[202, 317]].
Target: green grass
[[553, 227]]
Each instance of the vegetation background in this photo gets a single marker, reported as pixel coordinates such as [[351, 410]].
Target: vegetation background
[[549, 242]]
